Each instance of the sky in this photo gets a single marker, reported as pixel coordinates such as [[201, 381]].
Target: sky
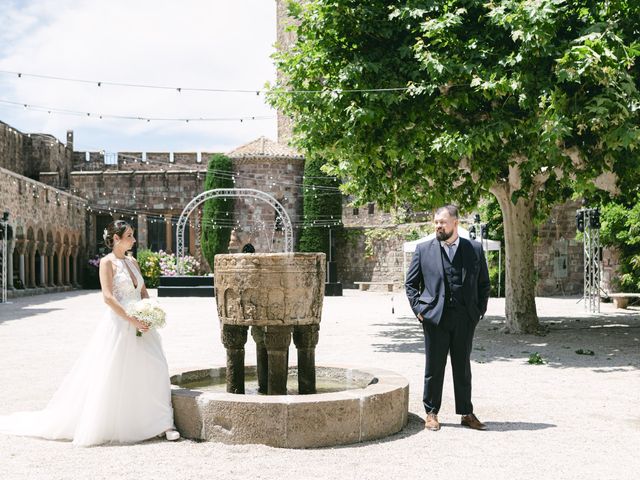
[[213, 44]]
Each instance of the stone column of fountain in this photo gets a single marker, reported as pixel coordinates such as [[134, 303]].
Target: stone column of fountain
[[277, 294]]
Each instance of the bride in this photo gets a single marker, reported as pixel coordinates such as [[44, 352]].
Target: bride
[[118, 391]]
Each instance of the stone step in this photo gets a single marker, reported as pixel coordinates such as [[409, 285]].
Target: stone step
[[186, 281]]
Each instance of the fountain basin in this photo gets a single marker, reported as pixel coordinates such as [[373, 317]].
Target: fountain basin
[[374, 404]]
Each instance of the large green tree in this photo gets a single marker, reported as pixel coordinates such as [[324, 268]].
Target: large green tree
[[217, 213], [522, 99]]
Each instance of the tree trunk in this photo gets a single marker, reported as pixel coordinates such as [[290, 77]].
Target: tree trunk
[[520, 282]]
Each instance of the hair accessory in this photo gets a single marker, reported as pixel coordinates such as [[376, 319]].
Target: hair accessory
[[104, 234]]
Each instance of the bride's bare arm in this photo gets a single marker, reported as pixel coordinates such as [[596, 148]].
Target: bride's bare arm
[[106, 284]]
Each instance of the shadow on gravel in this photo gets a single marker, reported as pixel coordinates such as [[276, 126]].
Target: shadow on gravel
[[403, 336], [603, 343], [24, 307], [17, 314], [513, 426]]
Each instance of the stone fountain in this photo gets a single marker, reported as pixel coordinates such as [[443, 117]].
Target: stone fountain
[[280, 296], [277, 295]]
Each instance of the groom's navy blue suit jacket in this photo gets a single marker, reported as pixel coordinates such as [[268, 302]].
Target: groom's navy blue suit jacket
[[425, 284]]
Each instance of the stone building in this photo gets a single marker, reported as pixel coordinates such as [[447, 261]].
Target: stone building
[[60, 200], [46, 241], [275, 169]]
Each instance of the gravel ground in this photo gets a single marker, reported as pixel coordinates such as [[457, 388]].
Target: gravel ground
[[575, 416]]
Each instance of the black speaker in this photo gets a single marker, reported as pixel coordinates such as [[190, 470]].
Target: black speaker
[[580, 220]]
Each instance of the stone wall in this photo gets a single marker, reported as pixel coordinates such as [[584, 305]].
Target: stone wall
[[370, 215], [47, 247], [99, 161], [280, 178], [13, 148], [48, 154], [284, 40], [558, 256], [141, 197], [610, 263], [28, 154], [375, 254], [354, 264]]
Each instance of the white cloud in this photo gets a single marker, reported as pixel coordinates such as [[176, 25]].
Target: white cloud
[[191, 43]]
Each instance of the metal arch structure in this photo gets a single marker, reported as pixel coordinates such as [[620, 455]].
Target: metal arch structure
[[230, 193]]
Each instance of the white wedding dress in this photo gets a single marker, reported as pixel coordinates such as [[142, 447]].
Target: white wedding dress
[[118, 391]]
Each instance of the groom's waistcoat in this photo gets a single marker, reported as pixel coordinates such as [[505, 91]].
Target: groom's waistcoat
[[453, 278]]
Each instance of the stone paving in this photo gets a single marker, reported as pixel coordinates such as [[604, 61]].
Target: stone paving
[[576, 416]]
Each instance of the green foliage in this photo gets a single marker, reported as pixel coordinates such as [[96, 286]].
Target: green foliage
[[376, 235], [621, 229], [322, 207], [487, 83], [217, 214], [350, 236], [522, 99], [149, 263], [585, 351], [536, 359]]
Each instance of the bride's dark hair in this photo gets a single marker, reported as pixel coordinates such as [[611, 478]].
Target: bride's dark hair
[[117, 227]]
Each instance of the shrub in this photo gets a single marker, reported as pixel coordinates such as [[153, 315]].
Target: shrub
[[150, 266], [168, 267], [322, 207], [621, 230], [217, 213]]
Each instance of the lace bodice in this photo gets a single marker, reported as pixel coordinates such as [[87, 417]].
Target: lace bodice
[[123, 288]]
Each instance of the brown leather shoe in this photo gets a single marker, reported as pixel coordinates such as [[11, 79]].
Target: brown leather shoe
[[472, 421], [432, 423]]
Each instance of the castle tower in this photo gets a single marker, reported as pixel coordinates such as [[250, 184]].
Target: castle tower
[[284, 41]]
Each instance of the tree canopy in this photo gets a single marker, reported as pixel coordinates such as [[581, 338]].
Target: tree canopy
[[444, 101]]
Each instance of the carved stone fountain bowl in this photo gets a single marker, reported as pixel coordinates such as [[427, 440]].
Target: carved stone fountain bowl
[[270, 288], [374, 404]]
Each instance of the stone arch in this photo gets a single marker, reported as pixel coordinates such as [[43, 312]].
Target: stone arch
[[49, 252], [57, 259], [66, 252], [19, 246], [40, 259], [30, 237], [73, 259], [50, 244], [30, 267]]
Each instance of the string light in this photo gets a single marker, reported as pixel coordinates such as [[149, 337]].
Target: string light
[[64, 111], [257, 92]]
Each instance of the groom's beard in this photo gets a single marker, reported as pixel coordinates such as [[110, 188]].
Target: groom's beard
[[442, 235]]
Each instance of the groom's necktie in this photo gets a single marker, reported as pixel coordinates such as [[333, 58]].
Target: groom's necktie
[[450, 251]]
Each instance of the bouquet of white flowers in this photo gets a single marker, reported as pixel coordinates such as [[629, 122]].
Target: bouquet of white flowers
[[148, 311]]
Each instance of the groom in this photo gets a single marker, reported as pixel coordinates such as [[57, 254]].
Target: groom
[[448, 289]]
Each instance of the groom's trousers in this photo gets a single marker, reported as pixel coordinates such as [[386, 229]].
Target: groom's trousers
[[454, 335]]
